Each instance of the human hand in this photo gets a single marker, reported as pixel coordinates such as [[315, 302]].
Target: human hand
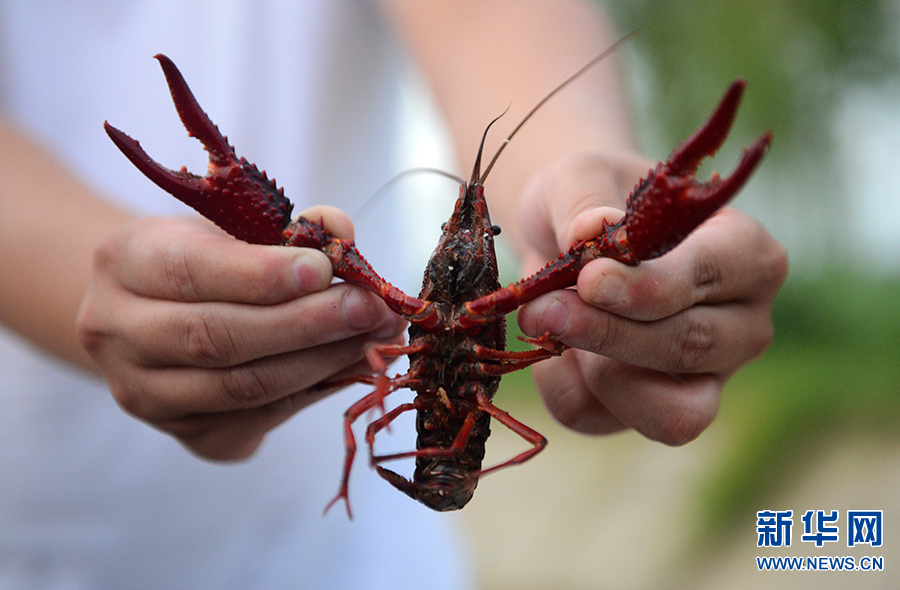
[[654, 344], [217, 341]]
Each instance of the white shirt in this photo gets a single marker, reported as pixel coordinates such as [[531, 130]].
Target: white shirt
[[92, 498]]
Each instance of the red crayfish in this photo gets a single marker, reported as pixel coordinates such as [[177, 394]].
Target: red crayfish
[[457, 334]]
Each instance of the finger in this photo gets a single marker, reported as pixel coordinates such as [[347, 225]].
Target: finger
[[701, 339], [234, 435], [181, 261], [226, 334], [555, 198], [559, 382], [164, 395], [337, 223], [672, 409], [729, 258]]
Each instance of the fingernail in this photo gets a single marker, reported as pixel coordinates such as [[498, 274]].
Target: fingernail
[[361, 311], [311, 271], [552, 315], [610, 291]]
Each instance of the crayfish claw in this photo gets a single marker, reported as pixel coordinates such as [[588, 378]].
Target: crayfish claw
[[234, 194], [670, 202], [182, 185], [723, 190], [194, 118], [707, 140]]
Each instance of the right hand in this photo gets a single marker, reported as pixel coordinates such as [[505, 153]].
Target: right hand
[[217, 341], [654, 344]]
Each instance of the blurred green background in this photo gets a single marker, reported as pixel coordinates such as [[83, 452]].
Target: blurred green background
[[835, 361], [813, 424]]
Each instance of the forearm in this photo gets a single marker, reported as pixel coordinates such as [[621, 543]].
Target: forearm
[[482, 56], [50, 224]]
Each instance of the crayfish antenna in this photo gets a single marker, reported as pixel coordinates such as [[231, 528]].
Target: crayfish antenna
[[603, 55], [380, 191], [477, 178]]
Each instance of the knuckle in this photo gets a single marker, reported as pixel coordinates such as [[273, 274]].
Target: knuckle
[[778, 265], [693, 344], [107, 254], [90, 331], [772, 259], [568, 407], [212, 438], [707, 273], [208, 341], [219, 447], [248, 386], [605, 336], [571, 404], [263, 275], [130, 398], [659, 292], [177, 274]]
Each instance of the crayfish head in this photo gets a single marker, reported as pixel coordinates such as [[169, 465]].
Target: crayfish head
[[463, 266]]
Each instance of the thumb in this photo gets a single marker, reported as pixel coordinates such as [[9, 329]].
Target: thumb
[[568, 200]]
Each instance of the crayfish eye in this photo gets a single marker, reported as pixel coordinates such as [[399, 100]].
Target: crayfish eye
[[495, 229], [443, 225]]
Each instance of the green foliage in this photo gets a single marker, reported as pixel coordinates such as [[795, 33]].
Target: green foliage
[[794, 54], [834, 366], [832, 371]]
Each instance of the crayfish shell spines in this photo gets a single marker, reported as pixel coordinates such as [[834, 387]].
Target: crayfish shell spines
[[457, 334], [670, 202], [662, 210], [244, 202], [445, 482], [234, 194]]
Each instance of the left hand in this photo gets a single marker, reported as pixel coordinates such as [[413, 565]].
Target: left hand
[[654, 344]]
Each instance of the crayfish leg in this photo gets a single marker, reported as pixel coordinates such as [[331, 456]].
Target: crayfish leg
[[557, 274], [353, 412], [459, 442], [494, 362], [376, 354], [537, 440]]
